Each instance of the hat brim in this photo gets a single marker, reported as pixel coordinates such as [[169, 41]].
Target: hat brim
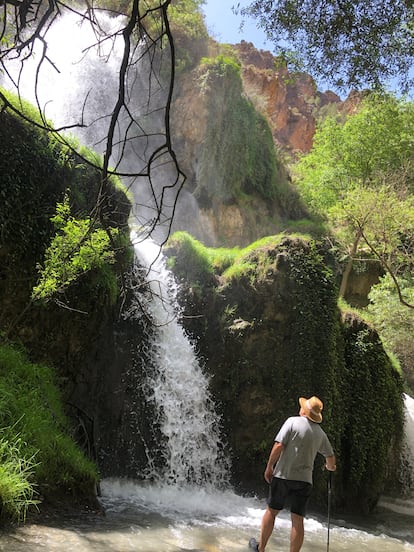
[[317, 418]]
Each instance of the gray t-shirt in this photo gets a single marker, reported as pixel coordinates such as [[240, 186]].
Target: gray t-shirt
[[302, 440]]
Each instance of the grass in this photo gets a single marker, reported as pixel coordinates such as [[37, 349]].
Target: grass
[[195, 262], [17, 488], [36, 449]]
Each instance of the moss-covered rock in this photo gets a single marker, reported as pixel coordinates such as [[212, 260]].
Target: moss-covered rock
[[271, 332], [73, 333]]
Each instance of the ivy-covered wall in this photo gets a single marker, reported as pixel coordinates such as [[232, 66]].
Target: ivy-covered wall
[[37, 173], [373, 416], [271, 332], [239, 156], [72, 333]]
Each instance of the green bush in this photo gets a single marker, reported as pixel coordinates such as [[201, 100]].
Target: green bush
[[38, 454]]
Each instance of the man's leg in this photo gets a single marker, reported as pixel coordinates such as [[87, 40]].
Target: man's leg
[[268, 522], [297, 533]]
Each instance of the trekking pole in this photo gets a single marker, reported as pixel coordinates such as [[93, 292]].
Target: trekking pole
[[329, 507]]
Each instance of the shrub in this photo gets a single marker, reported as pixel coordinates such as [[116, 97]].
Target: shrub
[[35, 445]]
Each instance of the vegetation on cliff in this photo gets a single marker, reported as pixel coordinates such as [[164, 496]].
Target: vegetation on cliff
[[38, 454], [48, 192], [358, 179], [273, 332], [243, 161], [54, 259]]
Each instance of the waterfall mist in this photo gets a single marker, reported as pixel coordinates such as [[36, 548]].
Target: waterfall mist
[[191, 449], [73, 77], [77, 88]]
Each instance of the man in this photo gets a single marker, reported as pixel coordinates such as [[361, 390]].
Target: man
[[289, 470]]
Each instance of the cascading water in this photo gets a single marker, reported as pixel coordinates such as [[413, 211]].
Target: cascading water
[[409, 431], [408, 449], [192, 449], [405, 505]]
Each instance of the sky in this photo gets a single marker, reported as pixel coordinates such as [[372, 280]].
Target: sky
[[224, 26]]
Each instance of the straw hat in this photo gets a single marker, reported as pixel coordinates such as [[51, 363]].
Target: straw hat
[[312, 408]]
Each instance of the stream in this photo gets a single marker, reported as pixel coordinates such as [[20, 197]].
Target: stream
[[151, 518]]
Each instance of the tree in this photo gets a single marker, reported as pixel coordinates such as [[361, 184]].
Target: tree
[[347, 43], [359, 177], [146, 41], [395, 322], [137, 36]]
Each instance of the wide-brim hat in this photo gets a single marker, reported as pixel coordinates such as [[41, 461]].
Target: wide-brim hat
[[312, 408]]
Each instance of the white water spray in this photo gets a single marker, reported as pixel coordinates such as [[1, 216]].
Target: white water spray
[[405, 505], [178, 386], [407, 457], [409, 426]]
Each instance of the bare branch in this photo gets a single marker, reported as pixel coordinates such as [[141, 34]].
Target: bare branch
[[387, 266]]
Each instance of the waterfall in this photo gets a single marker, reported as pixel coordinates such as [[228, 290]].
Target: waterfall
[[79, 83], [405, 504], [178, 387], [77, 87], [408, 447]]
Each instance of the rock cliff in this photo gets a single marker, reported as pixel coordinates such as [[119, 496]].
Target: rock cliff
[[203, 119], [271, 333]]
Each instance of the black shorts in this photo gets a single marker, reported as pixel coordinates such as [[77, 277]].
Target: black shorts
[[284, 493]]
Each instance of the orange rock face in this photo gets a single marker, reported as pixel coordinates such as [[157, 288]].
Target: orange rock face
[[289, 101]]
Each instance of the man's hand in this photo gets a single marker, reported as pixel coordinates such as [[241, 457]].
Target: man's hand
[[330, 463], [268, 474], [273, 458]]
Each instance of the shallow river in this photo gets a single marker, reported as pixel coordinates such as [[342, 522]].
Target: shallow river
[[150, 519]]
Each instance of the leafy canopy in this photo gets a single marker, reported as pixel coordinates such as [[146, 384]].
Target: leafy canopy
[[373, 145], [394, 321], [347, 43], [76, 248], [359, 176]]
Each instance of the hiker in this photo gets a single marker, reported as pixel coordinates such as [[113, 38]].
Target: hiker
[[289, 470]]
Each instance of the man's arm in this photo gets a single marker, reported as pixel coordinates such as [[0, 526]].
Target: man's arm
[[330, 463], [273, 458]]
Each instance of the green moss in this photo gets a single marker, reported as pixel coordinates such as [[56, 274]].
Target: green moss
[[38, 454], [374, 413], [240, 156], [189, 258], [38, 173], [196, 263]]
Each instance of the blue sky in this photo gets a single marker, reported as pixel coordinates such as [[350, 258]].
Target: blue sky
[[224, 26]]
